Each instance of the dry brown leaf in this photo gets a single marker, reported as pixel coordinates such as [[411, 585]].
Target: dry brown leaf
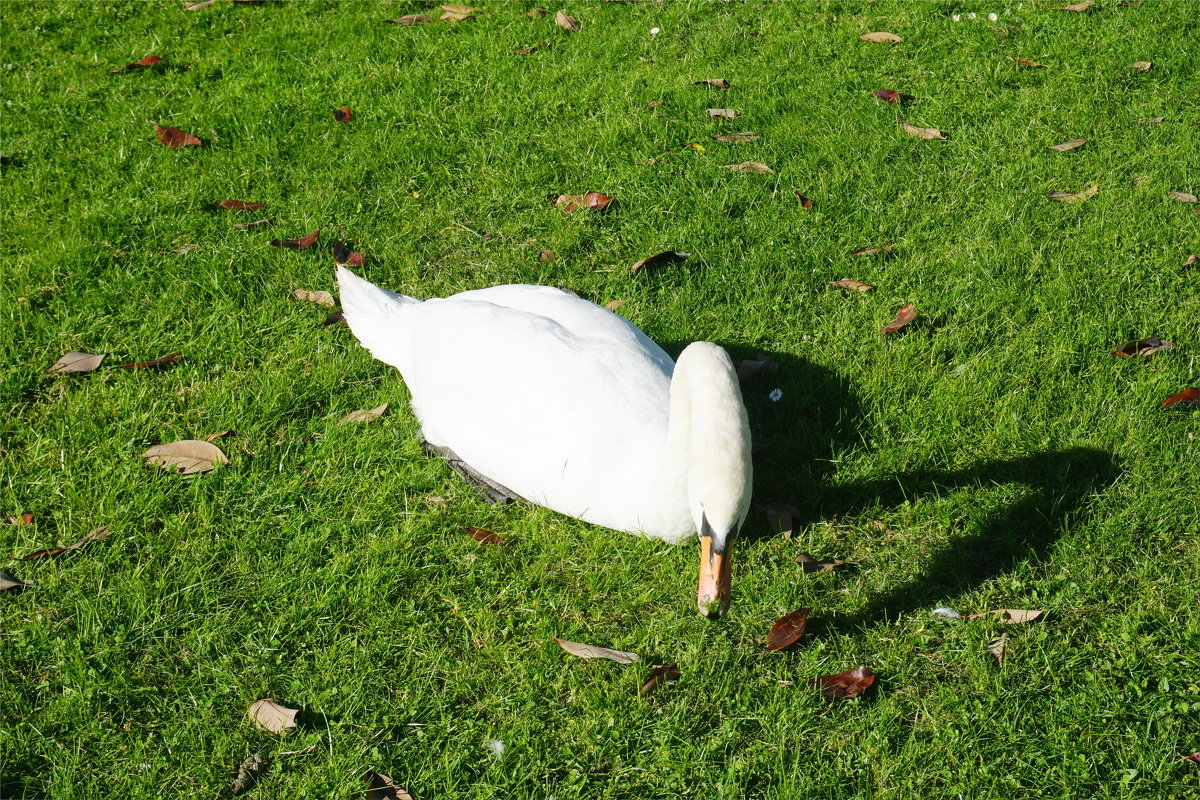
[[24, 519], [1069, 145], [753, 367], [411, 19], [812, 565], [198, 6], [536, 12], [716, 83], [1189, 397], [1143, 347], [722, 113], [297, 244], [453, 16], [780, 516], [850, 683], [1010, 616], [905, 315], [1078, 7], [654, 104], [744, 136], [788, 629], [342, 114], [805, 203], [613, 305], [567, 22], [8, 582], [546, 255], [148, 61], [93, 535], [590, 651], [271, 716], [1142, 66], [1182, 197], [660, 675], [249, 771], [889, 96], [321, 298], [1151, 121], [212, 437], [154, 363], [1025, 62], [1194, 758], [999, 647], [659, 260], [872, 251], [851, 285], [748, 166], [381, 787], [77, 362], [1192, 261], [367, 415], [1076, 197], [334, 318], [921, 133], [592, 201], [235, 205], [344, 256], [881, 37], [482, 535], [187, 456], [174, 137]]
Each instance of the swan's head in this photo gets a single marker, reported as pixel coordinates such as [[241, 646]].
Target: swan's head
[[719, 472]]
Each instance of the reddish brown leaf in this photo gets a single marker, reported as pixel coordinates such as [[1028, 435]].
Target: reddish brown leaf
[[872, 251], [148, 61], [411, 19], [660, 675], [889, 96], [297, 244], [752, 367], [1190, 396], [334, 318], [342, 114], [780, 516], [96, 533], [342, 256], [812, 565], [716, 83], [175, 137], [567, 22], [659, 260], [850, 683], [851, 285], [744, 136], [592, 201], [904, 316], [805, 203], [1143, 347], [1194, 758], [881, 37], [1025, 62], [524, 51], [482, 535], [381, 787], [24, 519], [723, 113], [153, 364], [236, 205], [77, 362], [788, 629]]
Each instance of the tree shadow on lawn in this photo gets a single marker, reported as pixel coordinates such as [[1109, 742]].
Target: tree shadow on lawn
[[824, 419]]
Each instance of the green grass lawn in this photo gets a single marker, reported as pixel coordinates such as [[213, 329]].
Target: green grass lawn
[[994, 454]]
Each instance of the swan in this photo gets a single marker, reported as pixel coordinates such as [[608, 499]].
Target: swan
[[545, 397]]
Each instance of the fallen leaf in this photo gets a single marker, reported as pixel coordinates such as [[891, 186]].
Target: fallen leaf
[[881, 37], [198, 6], [343, 257], [546, 255], [411, 19], [889, 96], [851, 285], [342, 114], [1065, 146], [297, 244], [590, 651], [334, 317], [170, 358], [367, 415], [1142, 66], [1025, 62], [812, 565], [482, 535], [8, 582], [458, 9], [660, 675], [235, 205], [748, 166], [723, 113], [187, 456], [1010, 616], [1078, 7], [524, 51], [850, 683], [659, 260], [1182, 197], [744, 136], [716, 83], [536, 12], [1192, 261], [175, 137], [1151, 121], [248, 773], [245, 226], [212, 437], [752, 367], [780, 516], [613, 305], [592, 201], [77, 362], [904, 316], [872, 251], [921, 133], [654, 104], [567, 22], [148, 61], [788, 629], [321, 298], [999, 647], [93, 535], [805, 203], [453, 16], [1077, 197], [381, 787], [24, 519], [1194, 758], [1143, 347], [271, 716], [696, 146], [1190, 396]]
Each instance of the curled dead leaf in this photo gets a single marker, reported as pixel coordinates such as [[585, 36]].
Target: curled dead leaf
[[1143, 347], [888, 96], [999, 647], [546, 255], [198, 6], [13, 519], [850, 683], [1142, 66], [744, 136], [1078, 7], [367, 415], [660, 675], [591, 651], [93, 535], [1010, 616], [659, 260], [881, 37], [1189, 397], [748, 166], [1068, 145], [805, 203], [344, 257], [592, 201], [297, 244], [788, 629], [174, 137], [872, 251], [482, 535], [780, 516], [212, 437], [921, 133], [453, 16], [9, 583], [1076, 197], [851, 285], [812, 565], [342, 114], [613, 305], [1182, 197], [723, 113], [382, 787], [334, 318], [271, 716], [905, 315], [77, 362], [156, 363], [187, 456], [566, 22], [321, 298], [716, 83]]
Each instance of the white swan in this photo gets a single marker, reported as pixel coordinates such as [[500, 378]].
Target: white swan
[[569, 406]]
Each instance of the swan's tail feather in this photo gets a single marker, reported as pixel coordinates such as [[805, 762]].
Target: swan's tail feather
[[375, 316]]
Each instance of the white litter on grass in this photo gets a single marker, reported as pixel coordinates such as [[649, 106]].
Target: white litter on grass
[[495, 748], [945, 612]]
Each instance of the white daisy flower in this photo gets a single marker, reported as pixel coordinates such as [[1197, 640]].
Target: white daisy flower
[[993, 17], [971, 15], [654, 31], [775, 395], [957, 17]]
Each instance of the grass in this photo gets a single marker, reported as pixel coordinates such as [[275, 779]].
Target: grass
[[996, 455]]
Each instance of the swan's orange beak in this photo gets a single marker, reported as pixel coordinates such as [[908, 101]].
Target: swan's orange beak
[[715, 579]]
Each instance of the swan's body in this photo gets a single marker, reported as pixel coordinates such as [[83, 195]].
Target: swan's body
[[570, 406]]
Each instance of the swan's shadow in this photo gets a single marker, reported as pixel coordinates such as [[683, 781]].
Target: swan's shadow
[[819, 418]]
